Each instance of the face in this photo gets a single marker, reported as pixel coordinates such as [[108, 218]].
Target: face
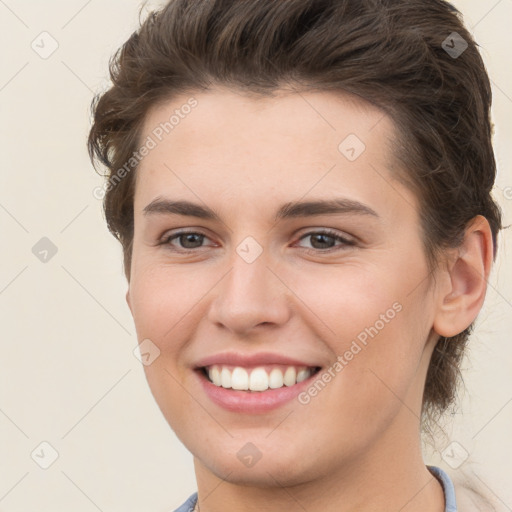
[[324, 309]]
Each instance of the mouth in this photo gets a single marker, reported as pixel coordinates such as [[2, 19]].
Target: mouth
[[257, 379]]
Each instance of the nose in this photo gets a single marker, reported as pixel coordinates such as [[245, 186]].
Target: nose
[[250, 295]]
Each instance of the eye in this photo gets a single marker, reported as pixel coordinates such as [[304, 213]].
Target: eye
[[188, 240], [323, 240]]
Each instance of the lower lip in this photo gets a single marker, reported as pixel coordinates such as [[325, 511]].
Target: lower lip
[[255, 401]]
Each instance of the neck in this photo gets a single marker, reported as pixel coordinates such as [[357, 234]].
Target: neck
[[389, 476]]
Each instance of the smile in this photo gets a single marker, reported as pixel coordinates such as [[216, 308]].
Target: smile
[[257, 379], [255, 390]]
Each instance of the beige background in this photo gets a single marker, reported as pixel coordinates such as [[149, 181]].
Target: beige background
[[68, 375]]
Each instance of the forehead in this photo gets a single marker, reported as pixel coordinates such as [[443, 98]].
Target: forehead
[[223, 118], [290, 145]]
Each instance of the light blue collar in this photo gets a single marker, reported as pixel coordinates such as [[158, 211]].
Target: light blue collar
[[449, 490]]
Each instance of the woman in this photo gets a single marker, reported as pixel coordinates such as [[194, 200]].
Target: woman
[[302, 193]]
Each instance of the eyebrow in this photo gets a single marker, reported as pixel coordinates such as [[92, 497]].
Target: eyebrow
[[286, 211]]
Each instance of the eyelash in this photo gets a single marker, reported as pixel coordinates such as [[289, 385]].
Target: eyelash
[[326, 232]]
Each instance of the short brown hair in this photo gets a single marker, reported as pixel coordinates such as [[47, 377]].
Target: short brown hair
[[413, 59]]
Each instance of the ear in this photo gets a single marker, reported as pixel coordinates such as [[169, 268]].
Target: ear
[[127, 297], [461, 299]]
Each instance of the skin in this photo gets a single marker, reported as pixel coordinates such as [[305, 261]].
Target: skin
[[244, 157]]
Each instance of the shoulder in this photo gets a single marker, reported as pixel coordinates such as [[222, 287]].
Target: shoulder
[[463, 494], [471, 498]]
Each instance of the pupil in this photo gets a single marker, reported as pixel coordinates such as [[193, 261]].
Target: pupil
[[190, 237], [324, 237]]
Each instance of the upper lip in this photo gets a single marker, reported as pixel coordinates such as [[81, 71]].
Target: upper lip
[[259, 358]]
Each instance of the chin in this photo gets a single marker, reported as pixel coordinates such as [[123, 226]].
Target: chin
[[265, 474], [239, 461]]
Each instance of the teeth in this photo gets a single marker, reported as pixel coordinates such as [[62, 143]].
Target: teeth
[[290, 375], [275, 379], [303, 375], [258, 379], [225, 378], [240, 379], [215, 376]]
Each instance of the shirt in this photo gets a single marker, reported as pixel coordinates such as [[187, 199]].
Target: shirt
[[442, 476]]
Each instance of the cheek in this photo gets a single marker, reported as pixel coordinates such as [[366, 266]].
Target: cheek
[[375, 321], [165, 302], [350, 299], [163, 307], [368, 384]]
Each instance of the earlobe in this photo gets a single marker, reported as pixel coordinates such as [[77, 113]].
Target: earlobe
[[127, 297], [467, 276]]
